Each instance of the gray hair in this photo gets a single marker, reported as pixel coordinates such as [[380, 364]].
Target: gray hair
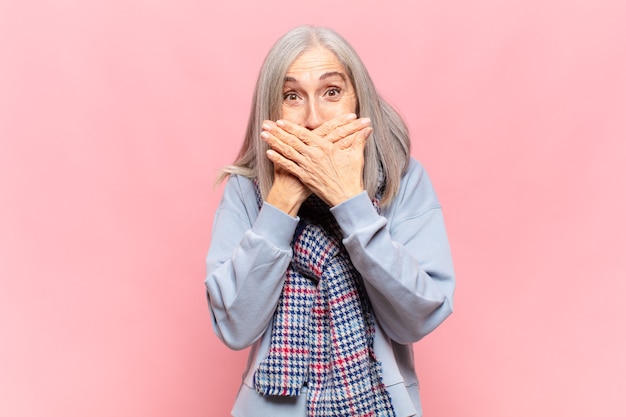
[[388, 148]]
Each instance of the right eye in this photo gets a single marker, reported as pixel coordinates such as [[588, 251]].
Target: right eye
[[291, 96]]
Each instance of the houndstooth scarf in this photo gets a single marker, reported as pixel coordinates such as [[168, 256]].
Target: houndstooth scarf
[[323, 327]]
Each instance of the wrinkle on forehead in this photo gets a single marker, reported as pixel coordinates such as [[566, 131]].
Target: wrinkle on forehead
[[324, 76], [317, 63]]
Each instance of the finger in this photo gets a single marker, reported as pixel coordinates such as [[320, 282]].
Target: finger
[[273, 134], [287, 147], [355, 140], [301, 133], [346, 130], [333, 124], [362, 138], [282, 163], [345, 133]]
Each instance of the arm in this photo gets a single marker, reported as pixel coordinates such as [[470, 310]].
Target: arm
[[406, 263], [246, 263]]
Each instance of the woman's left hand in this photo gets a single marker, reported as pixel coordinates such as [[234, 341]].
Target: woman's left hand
[[331, 170]]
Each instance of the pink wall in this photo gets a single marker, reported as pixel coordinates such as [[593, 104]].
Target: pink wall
[[116, 114]]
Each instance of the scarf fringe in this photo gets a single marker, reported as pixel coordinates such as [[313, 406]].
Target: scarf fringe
[[278, 392]]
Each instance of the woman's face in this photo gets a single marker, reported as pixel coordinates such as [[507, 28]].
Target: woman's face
[[317, 89]]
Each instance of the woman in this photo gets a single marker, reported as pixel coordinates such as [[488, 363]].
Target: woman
[[329, 255]]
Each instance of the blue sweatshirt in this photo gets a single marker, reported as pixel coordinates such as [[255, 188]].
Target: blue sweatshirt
[[402, 254]]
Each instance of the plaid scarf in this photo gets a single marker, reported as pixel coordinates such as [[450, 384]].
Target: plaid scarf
[[323, 327]]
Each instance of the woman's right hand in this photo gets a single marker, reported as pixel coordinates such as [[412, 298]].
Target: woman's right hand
[[287, 192]]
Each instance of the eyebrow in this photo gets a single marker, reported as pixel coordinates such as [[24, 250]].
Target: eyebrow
[[322, 77]]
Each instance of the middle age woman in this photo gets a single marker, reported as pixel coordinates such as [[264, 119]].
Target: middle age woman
[[329, 256]]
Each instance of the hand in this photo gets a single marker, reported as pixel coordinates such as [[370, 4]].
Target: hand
[[330, 166], [333, 125], [287, 192]]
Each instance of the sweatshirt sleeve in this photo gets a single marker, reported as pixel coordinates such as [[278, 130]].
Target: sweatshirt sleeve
[[246, 262], [405, 262]]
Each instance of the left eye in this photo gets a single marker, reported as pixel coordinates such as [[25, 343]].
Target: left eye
[[333, 92]]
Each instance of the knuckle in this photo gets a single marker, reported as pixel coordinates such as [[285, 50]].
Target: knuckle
[[288, 153], [302, 134]]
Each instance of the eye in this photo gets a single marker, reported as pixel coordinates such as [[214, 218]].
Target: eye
[[333, 92], [290, 96]]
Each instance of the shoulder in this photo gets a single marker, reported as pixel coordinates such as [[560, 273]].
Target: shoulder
[[414, 171], [239, 187], [416, 194], [416, 181], [238, 183], [239, 196]]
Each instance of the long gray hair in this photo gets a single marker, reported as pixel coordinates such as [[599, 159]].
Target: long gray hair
[[387, 149]]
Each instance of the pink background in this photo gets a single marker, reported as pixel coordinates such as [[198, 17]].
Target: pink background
[[116, 114]]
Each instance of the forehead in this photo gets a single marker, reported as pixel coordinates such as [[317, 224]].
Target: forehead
[[317, 60]]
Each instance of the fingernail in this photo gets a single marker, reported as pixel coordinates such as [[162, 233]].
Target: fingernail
[[266, 126], [365, 120], [280, 123], [351, 116], [265, 135]]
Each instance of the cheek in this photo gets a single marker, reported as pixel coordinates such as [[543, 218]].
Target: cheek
[[348, 104], [340, 108], [294, 115]]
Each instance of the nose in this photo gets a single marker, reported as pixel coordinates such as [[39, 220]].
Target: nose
[[313, 117]]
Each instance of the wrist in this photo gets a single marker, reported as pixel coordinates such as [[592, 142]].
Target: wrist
[[344, 195], [286, 202]]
